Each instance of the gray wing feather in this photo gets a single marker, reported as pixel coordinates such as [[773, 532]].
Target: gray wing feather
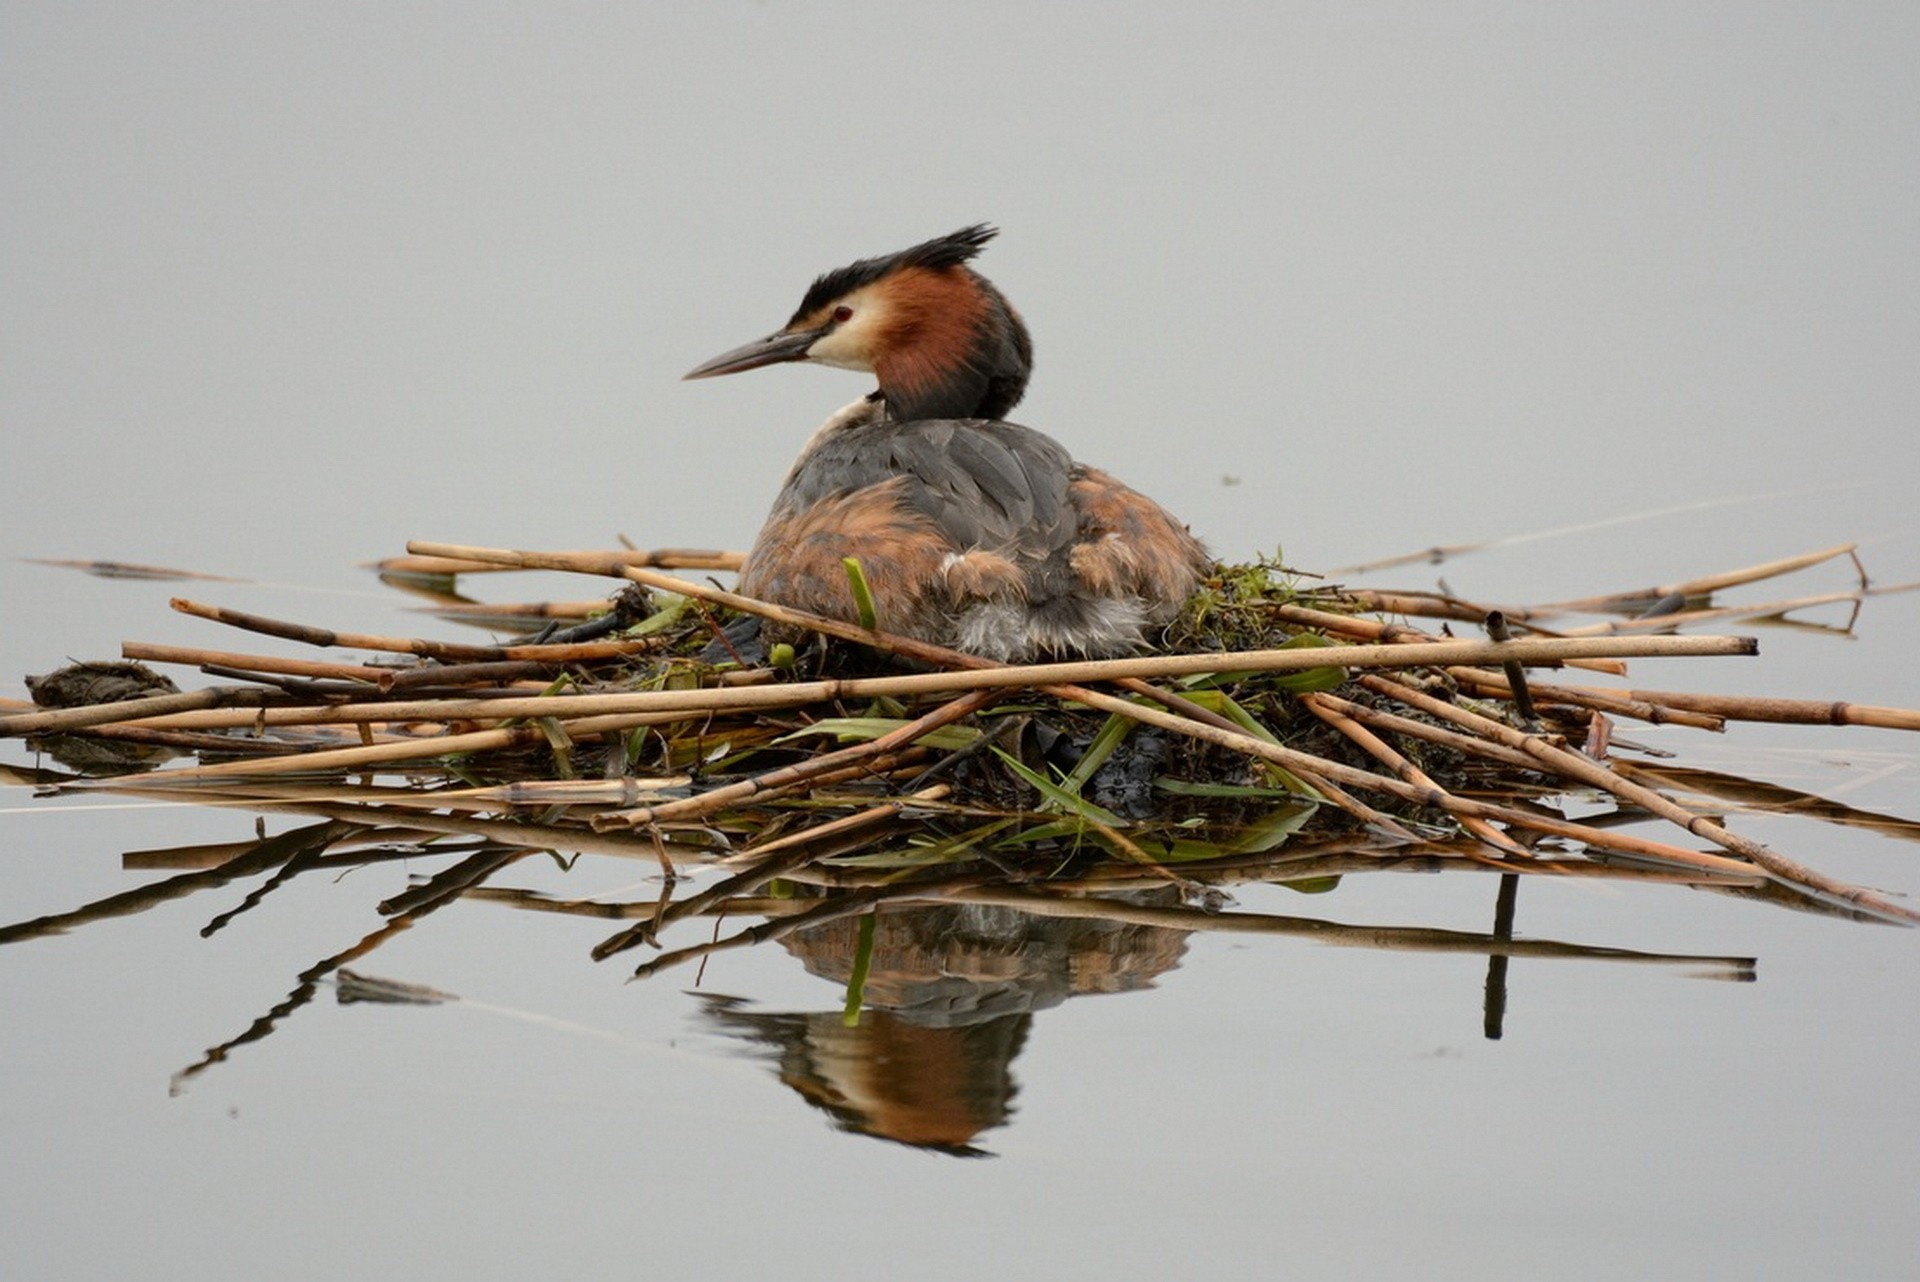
[[985, 483]]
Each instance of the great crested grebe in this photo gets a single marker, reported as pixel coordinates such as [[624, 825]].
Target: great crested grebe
[[973, 532]]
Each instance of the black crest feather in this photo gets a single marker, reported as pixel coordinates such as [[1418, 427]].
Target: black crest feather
[[950, 250]]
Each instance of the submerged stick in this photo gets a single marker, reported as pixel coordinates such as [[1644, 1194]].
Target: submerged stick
[[1408, 938]]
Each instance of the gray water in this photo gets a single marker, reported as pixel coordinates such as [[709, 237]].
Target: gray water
[[282, 290]]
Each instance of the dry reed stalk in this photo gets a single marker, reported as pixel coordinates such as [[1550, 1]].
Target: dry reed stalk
[[1040, 675], [1367, 815], [1374, 630], [529, 611], [663, 558], [978, 674], [530, 675], [1298, 762], [723, 797], [393, 807], [1809, 712], [228, 745], [1295, 761], [1572, 765], [1333, 715], [769, 860], [1706, 585], [1526, 651], [445, 650], [349, 760], [1317, 856], [752, 855], [1709, 865], [380, 803], [193, 656], [1688, 618], [1587, 697], [316, 800], [625, 791], [1497, 629], [1432, 605], [1099, 670], [1349, 625], [887, 766], [60, 720], [1383, 720], [918, 649]]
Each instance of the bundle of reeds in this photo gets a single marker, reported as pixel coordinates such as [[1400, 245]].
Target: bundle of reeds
[[1290, 733]]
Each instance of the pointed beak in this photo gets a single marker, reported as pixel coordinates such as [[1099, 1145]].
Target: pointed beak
[[787, 345]]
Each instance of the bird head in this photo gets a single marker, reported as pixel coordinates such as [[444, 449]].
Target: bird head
[[941, 340]]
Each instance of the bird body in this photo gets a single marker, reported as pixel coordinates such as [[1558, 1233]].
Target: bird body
[[972, 532]]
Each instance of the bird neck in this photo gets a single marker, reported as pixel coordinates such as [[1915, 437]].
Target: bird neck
[[957, 349]]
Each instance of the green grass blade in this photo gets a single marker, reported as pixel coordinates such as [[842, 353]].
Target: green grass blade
[[1298, 682], [862, 593], [1111, 734], [665, 617], [849, 729], [1055, 797], [857, 981]]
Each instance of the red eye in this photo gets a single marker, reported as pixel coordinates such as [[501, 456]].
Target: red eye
[[842, 314]]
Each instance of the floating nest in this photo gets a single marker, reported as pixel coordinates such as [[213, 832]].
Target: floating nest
[[1290, 732]]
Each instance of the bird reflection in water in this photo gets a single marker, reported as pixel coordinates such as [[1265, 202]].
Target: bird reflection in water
[[949, 997]]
